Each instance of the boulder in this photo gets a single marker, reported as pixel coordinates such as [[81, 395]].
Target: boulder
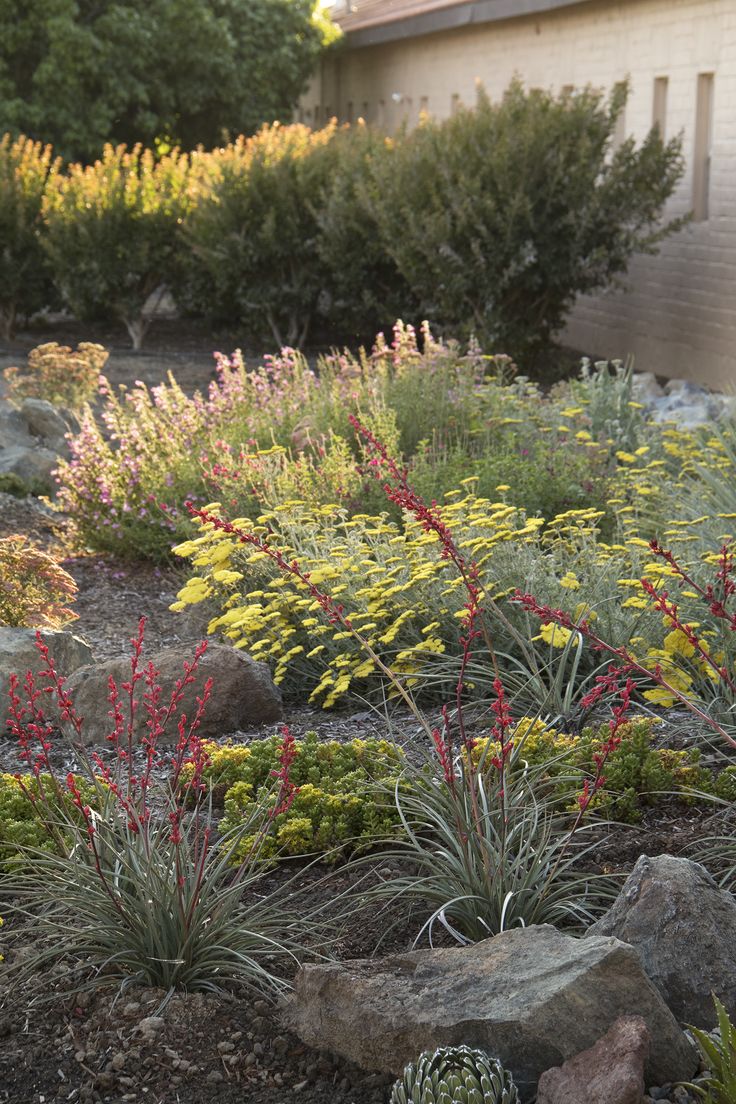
[[683, 927], [48, 422], [18, 654], [534, 997], [646, 386], [13, 428], [32, 462], [610, 1072], [243, 695]]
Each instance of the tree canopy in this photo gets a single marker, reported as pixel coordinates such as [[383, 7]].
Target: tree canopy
[[78, 73]]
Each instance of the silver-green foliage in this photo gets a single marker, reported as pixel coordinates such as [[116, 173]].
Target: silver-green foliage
[[455, 1075], [719, 1053]]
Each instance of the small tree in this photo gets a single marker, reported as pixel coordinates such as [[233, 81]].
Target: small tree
[[111, 232], [499, 217], [253, 236], [25, 283]]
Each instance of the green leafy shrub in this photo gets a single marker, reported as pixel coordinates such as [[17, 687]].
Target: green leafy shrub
[[498, 217], [545, 475], [26, 167], [336, 807], [33, 587], [253, 233], [58, 373], [112, 231], [363, 285]]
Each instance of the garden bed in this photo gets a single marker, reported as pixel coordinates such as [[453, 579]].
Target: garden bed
[[591, 475]]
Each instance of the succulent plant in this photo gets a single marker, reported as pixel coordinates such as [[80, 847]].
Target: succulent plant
[[455, 1075]]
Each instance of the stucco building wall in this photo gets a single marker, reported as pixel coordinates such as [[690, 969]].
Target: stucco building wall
[[678, 314]]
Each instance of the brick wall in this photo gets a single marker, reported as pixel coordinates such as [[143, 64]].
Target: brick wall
[[677, 315]]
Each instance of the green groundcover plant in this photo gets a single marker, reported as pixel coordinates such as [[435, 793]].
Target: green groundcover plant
[[339, 805]]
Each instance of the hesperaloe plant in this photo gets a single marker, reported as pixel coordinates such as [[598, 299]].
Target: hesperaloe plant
[[137, 887]]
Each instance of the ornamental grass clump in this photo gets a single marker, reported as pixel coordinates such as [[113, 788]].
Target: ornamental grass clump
[[34, 589], [694, 666], [59, 374], [137, 889]]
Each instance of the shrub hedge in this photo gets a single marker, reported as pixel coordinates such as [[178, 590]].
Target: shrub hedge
[[490, 222]]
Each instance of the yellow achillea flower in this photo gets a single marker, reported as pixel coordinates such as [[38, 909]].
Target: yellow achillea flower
[[677, 643], [556, 635], [570, 581]]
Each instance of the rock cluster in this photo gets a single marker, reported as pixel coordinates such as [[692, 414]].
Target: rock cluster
[[32, 438], [681, 401], [581, 1021]]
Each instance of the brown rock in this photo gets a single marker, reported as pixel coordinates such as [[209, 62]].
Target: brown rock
[[243, 695], [19, 654], [534, 997], [610, 1072]]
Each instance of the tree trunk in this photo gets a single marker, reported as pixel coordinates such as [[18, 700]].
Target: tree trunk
[[137, 328], [7, 321]]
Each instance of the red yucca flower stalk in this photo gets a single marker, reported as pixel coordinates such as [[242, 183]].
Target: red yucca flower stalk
[[128, 783], [714, 596]]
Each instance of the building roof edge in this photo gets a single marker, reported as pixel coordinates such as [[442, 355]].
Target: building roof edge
[[391, 27]]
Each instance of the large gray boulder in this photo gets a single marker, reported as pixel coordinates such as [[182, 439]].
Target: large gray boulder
[[534, 997], [29, 462], [683, 927], [243, 694], [13, 428], [18, 654]]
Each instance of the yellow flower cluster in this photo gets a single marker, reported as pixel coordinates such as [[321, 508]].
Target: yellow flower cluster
[[405, 599], [387, 577]]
